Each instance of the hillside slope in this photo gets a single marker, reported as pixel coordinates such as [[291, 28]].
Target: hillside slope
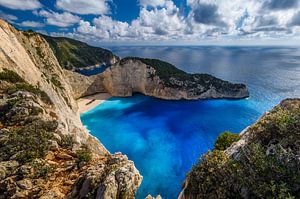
[[264, 163], [72, 54], [45, 152]]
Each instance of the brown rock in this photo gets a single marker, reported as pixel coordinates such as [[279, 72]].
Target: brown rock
[[50, 156], [25, 184], [63, 155], [54, 193], [68, 182], [2, 172]]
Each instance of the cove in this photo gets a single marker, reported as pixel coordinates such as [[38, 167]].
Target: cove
[[165, 138]]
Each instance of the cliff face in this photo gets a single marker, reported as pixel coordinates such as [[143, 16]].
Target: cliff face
[[264, 163], [163, 80], [45, 151]]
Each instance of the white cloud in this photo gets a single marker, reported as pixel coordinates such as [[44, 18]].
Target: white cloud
[[155, 24], [245, 18], [32, 24], [21, 4], [96, 7], [162, 20], [64, 19]]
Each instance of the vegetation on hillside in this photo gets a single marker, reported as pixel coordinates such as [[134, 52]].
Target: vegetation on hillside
[[17, 83], [72, 54], [27, 135], [84, 155], [267, 166]]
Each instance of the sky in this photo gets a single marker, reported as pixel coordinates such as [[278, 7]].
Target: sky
[[160, 22]]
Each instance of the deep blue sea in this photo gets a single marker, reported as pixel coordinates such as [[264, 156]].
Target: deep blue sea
[[94, 71], [165, 138]]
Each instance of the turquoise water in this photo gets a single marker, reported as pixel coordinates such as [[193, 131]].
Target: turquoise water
[[165, 138]]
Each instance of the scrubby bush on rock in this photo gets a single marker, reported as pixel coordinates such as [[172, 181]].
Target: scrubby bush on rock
[[225, 140]]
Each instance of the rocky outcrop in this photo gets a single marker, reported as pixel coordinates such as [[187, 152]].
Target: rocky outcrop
[[151, 197], [163, 80], [44, 149], [263, 163], [153, 78], [85, 85], [116, 178]]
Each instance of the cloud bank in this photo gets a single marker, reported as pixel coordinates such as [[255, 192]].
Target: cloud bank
[[163, 20]]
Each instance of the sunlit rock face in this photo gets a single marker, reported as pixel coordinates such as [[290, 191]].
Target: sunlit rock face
[[163, 80]]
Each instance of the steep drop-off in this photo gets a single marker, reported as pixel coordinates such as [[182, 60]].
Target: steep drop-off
[[45, 152], [264, 163]]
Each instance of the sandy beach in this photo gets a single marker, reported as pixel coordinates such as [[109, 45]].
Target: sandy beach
[[89, 102]]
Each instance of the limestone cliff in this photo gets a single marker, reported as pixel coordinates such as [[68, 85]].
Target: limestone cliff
[[264, 163], [84, 85], [163, 80], [45, 152], [153, 78]]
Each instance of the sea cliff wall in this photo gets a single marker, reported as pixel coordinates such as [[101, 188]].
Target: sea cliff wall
[[149, 77]]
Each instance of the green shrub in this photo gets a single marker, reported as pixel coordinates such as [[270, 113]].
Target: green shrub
[[225, 140], [56, 82], [10, 76], [29, 33], [4, 109], [41, 168], [39, 51], [84, 154], [67, 141], [30, 88]]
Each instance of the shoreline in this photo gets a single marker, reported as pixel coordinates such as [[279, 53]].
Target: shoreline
[[89, 102]]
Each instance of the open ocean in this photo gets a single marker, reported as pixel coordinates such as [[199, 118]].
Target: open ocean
[[165, 138]]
